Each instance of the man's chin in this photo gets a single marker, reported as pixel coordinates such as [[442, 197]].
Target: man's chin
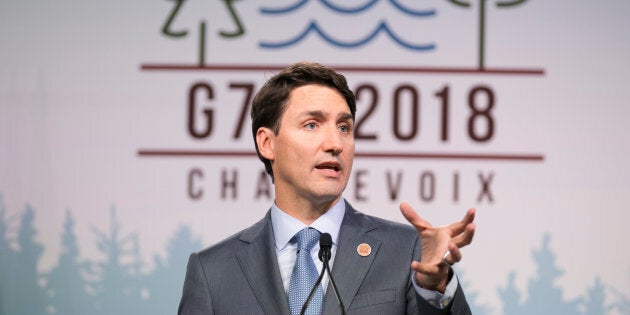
[[329, 193]]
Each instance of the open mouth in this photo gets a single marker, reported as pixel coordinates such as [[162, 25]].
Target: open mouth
[[329, 166]]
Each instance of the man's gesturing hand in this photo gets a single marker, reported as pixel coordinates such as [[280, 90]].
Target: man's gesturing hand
[[433, 268]]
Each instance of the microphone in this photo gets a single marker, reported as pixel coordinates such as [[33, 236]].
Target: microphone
[[325, 245]]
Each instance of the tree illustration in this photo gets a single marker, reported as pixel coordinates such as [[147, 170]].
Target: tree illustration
[[28, 294], [117, 289], [66, 285], [169, 30], [7, 263], [543, 296], [622, 302], [595, 299], [510, 297], [482, 22], [166, 281]]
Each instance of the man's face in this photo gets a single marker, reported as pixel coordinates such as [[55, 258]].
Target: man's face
[[314, 148]]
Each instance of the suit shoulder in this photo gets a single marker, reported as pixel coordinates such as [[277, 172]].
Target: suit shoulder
[[230, 245], [221, 249]]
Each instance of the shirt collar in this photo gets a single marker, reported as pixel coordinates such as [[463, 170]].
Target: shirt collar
[[285, 226]]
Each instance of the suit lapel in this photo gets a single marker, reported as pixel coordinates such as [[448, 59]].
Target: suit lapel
[[349, 267], [260, 266]]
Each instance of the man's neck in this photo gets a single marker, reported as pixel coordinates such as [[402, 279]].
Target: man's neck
[[306, 211]]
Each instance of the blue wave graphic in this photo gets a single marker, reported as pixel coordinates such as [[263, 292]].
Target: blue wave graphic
[[286, 9], [340, 9], [346, 10], [429, 12], [314, 27]]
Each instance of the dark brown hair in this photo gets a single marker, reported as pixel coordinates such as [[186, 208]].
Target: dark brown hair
[[270, 102]]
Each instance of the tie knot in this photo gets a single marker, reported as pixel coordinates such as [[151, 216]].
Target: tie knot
[[307, 238]]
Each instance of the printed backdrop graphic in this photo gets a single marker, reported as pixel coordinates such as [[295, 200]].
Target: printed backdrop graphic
[[126, 141]]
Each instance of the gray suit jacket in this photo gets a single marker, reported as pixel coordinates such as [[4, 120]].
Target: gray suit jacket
[[240, 275]]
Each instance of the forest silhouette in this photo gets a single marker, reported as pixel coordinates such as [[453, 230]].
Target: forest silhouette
[[116, 284]]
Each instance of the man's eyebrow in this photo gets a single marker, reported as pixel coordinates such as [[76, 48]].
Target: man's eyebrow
[[314, 113], [321, 114], [345, 116]]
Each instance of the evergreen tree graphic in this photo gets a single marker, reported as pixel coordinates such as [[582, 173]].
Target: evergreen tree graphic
[[117, 290], [27, 294], [7, 263], [482, 23], [66, 284], [622, 302], [171, 31], [595, 299], [166, 281], [543, 296], [510, 297]]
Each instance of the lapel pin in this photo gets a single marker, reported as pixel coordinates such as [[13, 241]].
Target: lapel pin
[[364, 249]]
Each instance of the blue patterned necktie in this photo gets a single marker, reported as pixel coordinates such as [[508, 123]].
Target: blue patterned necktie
[[305, 275]]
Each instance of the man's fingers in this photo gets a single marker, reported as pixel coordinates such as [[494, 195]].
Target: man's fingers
[[425, 269], [412, 216], [460, 226], [454, 256], [466, 237], [450, 257]]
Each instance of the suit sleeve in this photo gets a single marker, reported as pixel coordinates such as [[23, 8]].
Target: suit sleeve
[[196, 298], [458, 305]]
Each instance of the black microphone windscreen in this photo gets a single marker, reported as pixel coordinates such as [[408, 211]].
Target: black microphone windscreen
[[325, 240]]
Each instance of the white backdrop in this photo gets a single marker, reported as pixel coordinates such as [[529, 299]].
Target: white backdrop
[[94, 94]]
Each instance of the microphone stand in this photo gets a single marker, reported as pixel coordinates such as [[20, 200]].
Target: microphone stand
[[332, 282], [325, 244]]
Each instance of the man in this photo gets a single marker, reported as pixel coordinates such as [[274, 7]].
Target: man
[[302, 123]]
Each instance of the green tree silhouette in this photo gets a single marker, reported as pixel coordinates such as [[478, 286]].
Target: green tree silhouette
[[510, 297], [66, 285], [29, 295], [169, 30], [117, 289], [595, 299], [543, 296], [622, 302], [482, 22], [165, 282], [7, 262]]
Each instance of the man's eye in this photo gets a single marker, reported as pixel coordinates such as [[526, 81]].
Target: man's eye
[[310, 126], [344, 128]]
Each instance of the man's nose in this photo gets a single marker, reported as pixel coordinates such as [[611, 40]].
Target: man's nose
[[333, 142]]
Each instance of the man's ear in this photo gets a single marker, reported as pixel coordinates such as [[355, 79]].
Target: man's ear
[[265, 142]]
